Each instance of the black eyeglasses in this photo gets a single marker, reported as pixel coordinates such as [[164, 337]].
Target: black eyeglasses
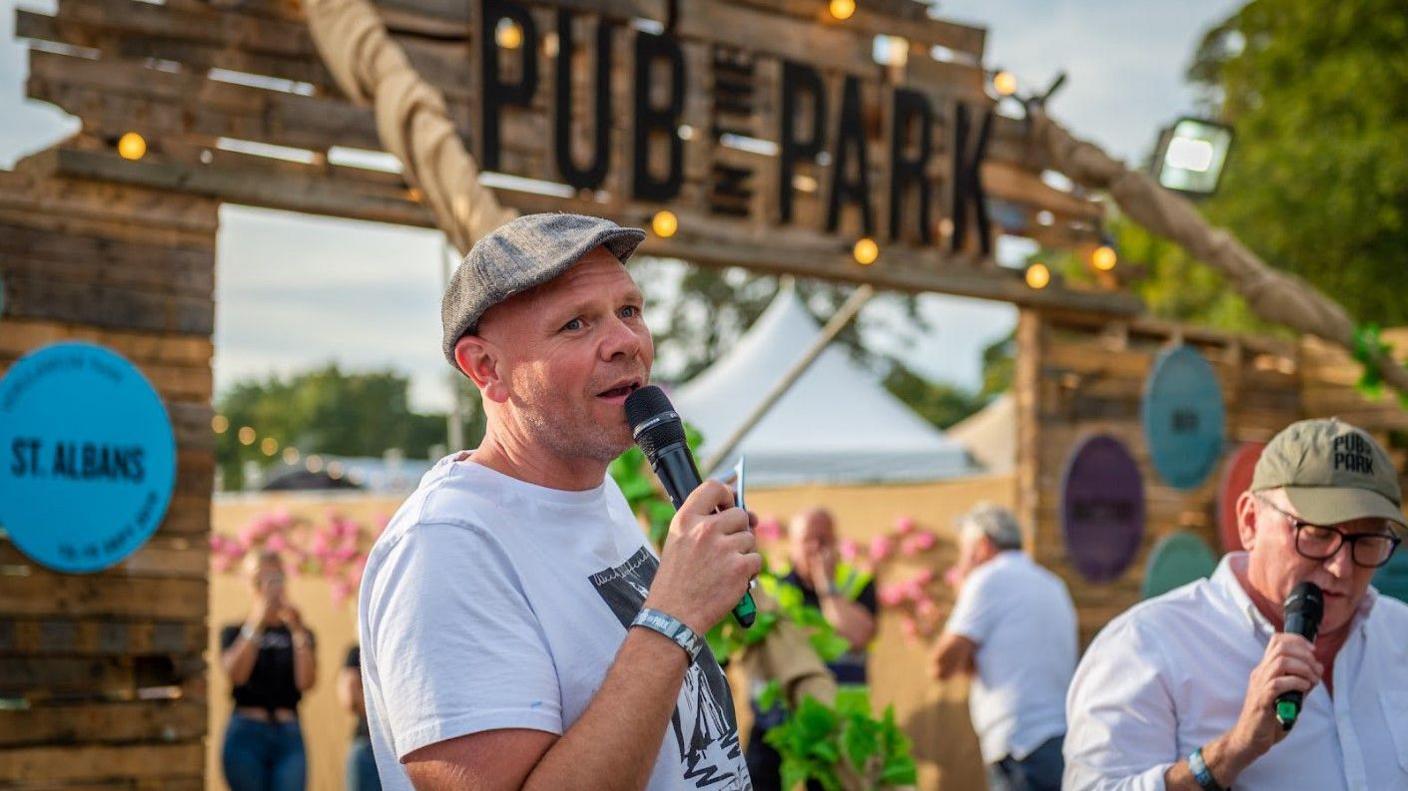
[[1318, 542]]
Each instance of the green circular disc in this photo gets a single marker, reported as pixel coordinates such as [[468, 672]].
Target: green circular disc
[[1178, 559]]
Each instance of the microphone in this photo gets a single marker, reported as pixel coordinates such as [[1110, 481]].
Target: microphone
[[1304, 607], [659, 431]]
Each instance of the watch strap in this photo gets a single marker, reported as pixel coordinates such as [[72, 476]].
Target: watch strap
[[671, 627]]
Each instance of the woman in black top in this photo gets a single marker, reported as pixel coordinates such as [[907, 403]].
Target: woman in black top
[[270, 662]]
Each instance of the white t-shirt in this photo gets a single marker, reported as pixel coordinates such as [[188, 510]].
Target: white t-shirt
[[1024, 623], [1170, 675], [493, 603]]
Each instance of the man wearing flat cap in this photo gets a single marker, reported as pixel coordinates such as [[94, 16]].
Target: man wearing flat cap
[[516, 628], [1180, 691]]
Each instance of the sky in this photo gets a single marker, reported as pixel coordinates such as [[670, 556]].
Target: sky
[[295, 291]]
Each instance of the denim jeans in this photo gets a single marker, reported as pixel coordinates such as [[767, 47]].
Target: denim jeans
[[1040, 771], [263, 756], [361, 767]]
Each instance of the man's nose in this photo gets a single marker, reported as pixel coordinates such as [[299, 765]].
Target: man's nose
[[1341, 564], [621, 339]]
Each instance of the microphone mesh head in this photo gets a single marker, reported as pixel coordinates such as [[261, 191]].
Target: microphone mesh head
[[1306, 598], [643, 405]]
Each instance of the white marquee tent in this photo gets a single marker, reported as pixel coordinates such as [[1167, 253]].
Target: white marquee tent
[[836, 424]]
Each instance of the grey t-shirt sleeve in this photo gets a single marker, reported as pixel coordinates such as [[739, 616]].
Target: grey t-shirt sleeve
[[457, 648]]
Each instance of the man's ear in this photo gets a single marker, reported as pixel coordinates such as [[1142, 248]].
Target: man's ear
[[1246, 520], [481, 360]]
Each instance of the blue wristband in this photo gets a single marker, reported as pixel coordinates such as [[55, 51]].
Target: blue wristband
[[1201, 773], [671, 627]]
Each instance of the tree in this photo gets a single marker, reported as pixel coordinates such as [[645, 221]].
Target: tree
[[707, 310], [327, 411], [1317, 183]]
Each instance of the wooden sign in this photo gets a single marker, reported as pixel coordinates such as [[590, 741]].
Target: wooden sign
[[767, 127]]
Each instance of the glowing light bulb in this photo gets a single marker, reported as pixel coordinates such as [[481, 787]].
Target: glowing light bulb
[[842, 9], [508, 34], [1005, 83], [131, 146], [1038, 276], [1104, 258], [664, 223], [866, 251]]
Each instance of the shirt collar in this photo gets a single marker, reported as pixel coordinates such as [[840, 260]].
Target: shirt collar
[[1229, 589]]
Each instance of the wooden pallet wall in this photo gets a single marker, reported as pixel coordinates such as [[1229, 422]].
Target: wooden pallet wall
[[102, 676]]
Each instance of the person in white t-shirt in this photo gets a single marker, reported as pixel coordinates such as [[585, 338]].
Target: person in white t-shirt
[[1180, 692], [1013, 628], [517, 630]]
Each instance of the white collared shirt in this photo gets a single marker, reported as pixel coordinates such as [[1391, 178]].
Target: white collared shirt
[[1169, 676], [1024, 624]]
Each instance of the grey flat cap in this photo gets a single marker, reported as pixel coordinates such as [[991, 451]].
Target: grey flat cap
[[519, 255]]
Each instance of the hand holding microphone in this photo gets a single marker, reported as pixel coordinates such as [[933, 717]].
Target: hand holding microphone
[[1278, 685], [710, 553]]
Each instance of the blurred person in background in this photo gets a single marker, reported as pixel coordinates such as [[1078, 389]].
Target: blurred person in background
[[361, 766], [270, 662], [1013, 628], [849, 604]]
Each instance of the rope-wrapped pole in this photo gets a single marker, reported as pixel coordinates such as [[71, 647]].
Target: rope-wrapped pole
[[411, 118], [1273, 295]]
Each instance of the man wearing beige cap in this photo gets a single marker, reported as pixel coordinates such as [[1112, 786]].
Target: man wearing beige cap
[[1180, 691], [516, 629]]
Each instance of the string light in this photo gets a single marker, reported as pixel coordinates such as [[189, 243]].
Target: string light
[[290, 455], [314, 463], [664, 223], [270, 446], [842, 9], [508, 34], [1104, 258], [335, 470], [1005, 83], [247, 435], [131, 146], [1038, 276], [865, 251], [219, 424]]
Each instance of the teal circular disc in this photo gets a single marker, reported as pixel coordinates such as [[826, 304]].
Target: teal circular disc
[[1183, 416]]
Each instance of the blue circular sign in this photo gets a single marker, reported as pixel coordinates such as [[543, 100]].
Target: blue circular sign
[[1178, 559], [89, 457], [1102, 508], [1183, 417]]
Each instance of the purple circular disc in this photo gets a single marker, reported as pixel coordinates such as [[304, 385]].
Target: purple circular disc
[[1102, 508]]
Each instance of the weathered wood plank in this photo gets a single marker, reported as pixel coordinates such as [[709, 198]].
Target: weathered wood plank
[[104, 723], [92, 763], [42, 592], [59, 635]]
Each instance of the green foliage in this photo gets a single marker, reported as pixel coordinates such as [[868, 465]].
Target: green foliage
[[1317, 183], [727, 638], [829, 744], [331, 412], [939, 403], [642, 493]]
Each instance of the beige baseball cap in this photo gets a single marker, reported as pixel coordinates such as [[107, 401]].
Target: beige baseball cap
[[1332, 472]]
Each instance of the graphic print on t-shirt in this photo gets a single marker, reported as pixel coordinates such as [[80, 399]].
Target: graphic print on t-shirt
[[708, 744]]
